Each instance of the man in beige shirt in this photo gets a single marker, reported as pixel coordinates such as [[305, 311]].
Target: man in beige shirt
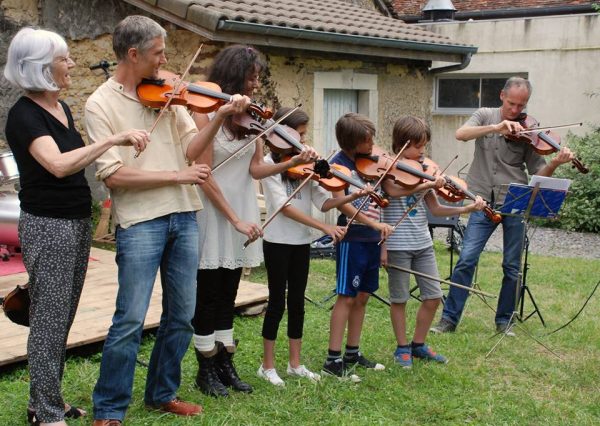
[[497, 161], [154, 209]]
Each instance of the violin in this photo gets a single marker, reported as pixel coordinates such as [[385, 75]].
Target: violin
[[332, 177], [455, 190], [16, 305], [372, 166], [542, 142], [286, 141], [409, 173], [202, 96], [282, 139], [452, 189]]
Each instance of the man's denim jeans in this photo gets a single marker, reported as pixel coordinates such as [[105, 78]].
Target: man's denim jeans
[[479, 229], [171, 244]]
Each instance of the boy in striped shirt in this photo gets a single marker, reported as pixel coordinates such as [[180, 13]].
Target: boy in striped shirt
[[410, 245]]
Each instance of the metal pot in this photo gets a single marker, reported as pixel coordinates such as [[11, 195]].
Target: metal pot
[[10, 210], [8, 168]]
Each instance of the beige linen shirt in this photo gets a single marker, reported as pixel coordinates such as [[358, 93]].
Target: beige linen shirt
[[498, 161], [108, 111]]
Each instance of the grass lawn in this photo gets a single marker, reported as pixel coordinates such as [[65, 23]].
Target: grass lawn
[[520, 383]]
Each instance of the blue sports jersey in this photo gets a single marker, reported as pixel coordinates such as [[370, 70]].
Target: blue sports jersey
[[358, 231]]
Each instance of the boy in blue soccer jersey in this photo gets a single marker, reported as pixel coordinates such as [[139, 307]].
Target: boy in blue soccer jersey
[[357, 255]]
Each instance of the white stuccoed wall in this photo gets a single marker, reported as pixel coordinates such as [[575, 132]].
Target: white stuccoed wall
[[561, 56]]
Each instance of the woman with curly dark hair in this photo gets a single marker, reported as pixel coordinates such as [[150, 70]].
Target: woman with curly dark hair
[[230, 217]]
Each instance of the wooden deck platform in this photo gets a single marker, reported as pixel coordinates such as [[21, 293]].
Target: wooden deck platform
[[96, 307]]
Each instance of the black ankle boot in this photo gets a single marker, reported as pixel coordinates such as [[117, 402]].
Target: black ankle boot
[[226, 370], [206, 379]]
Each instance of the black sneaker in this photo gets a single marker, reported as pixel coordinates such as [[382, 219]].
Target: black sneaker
[[360, 360], [337, 369], [443, 326]]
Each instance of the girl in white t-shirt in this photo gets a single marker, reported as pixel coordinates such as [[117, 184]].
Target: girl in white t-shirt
[[286, 249]]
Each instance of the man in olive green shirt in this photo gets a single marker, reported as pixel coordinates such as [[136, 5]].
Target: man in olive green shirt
[[497, 161]]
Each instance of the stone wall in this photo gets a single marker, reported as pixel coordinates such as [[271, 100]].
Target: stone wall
[[289, 80], [402, 89], [80, 22]]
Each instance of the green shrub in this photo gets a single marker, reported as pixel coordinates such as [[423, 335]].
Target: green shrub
[[581, 211]]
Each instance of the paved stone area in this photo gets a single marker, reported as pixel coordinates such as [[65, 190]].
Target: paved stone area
[[547, 242]]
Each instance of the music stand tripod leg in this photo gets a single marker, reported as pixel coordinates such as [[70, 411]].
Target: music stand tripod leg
[[525, 290], [308, 299], [412, 291], [539, 342], [536, 309], [328, 298], [381, 299]]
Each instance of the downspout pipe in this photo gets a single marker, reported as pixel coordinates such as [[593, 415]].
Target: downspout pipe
[[466, 60]]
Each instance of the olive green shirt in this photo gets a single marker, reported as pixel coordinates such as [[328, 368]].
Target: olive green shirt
[[498, 161]]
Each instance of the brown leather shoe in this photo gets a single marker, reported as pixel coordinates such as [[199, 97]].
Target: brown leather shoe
[[181, 408], [106, 422]]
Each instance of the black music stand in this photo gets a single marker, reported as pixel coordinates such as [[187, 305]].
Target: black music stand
[[528, 202]]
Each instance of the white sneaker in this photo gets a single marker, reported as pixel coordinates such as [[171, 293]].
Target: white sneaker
[[270, 375], [302, 371]]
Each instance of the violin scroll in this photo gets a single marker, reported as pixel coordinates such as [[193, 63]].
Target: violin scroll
[[579, 166], [455, 190]]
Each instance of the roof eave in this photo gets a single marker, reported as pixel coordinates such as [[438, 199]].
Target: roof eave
[[321, 41], [349, 43]]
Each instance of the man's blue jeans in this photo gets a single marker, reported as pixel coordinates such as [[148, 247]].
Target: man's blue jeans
[[171, 244], [479, 229]]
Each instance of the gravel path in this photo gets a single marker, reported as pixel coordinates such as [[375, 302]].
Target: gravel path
[[546, 241]]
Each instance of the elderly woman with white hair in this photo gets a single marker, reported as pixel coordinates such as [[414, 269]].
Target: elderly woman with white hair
[[55, 225]]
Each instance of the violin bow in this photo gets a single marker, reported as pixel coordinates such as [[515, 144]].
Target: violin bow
[[175, 90], [287, 202], [542, 129], [265, 131], [413, 205], [431, 277], [366, 198]]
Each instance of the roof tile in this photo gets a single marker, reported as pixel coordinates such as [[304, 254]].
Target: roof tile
[[334, 16]]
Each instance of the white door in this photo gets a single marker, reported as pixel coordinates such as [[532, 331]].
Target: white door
[[336, 103]]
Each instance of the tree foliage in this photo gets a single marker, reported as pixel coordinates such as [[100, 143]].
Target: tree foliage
[[581, 211]]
